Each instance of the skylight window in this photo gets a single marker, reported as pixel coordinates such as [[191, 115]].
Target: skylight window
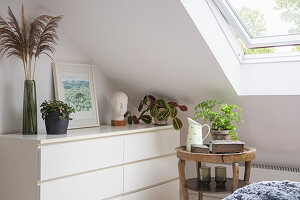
[[264, 26]]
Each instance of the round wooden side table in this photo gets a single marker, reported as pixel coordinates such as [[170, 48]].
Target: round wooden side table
[[231, 184]]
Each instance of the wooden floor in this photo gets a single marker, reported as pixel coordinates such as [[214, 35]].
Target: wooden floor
[[193, 196]]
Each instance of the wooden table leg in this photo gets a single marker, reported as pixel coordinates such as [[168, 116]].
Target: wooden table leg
[[247, 171], [200, 196], [235, 179], [198, 165], [181, 168]]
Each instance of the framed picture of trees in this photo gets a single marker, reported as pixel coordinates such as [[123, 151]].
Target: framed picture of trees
[[74, 84]]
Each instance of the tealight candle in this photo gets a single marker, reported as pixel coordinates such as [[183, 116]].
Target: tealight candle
[[205, 174], [220, 174]]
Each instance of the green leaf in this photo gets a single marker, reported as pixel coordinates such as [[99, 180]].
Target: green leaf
[[129, 120], [56, 106], [173, 112], [177, 124], [145, 99], [140, 107], [154, 111], [163, 115], [169, 106], [161, 103], [146, 118], [221, 115]]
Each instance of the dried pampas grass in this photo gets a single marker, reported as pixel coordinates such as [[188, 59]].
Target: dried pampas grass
[[28, 43]]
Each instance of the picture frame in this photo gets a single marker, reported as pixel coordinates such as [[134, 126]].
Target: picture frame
[[75, 85]]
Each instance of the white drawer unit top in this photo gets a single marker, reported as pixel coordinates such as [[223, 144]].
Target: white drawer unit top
[[83, 134]]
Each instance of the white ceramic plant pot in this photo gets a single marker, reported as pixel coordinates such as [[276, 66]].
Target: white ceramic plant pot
[[195, 134]]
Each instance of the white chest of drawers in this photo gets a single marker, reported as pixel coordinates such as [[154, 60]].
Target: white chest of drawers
[[120, 163]]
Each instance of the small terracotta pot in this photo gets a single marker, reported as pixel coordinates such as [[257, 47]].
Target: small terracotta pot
[[163, 122], [220, 135]]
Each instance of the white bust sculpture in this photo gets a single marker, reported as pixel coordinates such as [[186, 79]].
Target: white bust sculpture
[[119, 101]]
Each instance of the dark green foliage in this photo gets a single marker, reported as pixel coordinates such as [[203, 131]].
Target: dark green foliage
[[140, 107], [173, 112], [129, 120], [177, 124], [161, 103], [158, 108], [162, 115], [56, 106], [221, 118], [153, 111], [147, 119]]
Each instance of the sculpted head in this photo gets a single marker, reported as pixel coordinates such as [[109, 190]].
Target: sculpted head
[[119, 101]]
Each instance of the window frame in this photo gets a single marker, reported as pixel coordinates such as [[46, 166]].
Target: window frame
[[250, 42]]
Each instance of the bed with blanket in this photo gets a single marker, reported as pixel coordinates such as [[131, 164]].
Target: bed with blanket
[[268, 190]]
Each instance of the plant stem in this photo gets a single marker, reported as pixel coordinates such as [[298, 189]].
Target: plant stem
[[24, 70], [34, 68], [30, 68]]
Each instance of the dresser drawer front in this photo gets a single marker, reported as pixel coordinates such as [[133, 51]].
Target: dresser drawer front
[[91, 186], [151, 172], [168, 191], [64, 159], [119, 198], [150, 144]]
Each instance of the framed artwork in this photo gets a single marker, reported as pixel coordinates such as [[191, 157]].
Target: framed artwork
[[75, 85]]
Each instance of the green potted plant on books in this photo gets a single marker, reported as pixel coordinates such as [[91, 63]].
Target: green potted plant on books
[[223, 118], [56, 115]]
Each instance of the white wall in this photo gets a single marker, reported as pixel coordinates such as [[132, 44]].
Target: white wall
[[270, 124], [12, 75], [154, 47], [280, 78]]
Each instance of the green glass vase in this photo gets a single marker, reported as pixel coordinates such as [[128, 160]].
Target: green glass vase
[[29, 108]]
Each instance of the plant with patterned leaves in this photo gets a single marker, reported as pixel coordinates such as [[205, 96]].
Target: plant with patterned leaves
[[157, 108], [56, 106]]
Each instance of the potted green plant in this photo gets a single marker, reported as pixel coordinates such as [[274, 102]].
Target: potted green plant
[[56, 115], [28, 42], [222, 117], [159, 110]]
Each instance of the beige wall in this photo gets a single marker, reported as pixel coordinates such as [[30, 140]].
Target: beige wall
[[12, 75], [153, 47]]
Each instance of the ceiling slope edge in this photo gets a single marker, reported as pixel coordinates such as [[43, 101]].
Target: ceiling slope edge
[[210, 30]]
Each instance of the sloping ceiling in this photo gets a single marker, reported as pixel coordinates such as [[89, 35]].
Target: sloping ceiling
[[143, 45], [146, 46]]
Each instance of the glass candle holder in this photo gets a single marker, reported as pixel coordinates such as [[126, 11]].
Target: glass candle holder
[[220, 174], [205, 174]]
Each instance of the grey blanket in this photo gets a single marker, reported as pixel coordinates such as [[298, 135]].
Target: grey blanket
[[268, 190]]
